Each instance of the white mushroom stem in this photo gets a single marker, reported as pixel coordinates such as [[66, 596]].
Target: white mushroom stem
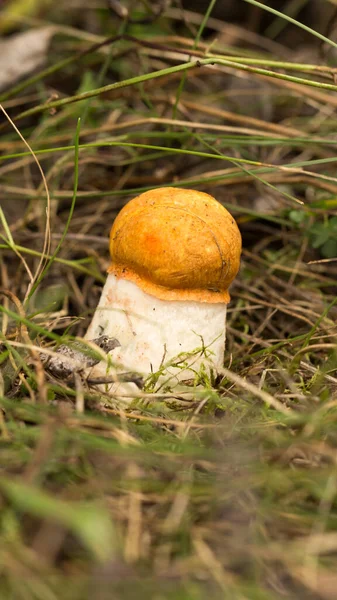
[[153, 332]]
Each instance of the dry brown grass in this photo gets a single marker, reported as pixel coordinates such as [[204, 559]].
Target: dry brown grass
[[227, 490]]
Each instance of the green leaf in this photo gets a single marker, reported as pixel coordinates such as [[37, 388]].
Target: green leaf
[[50, 298], [329, 249], [321, 237], [90, 523], [297, 216]]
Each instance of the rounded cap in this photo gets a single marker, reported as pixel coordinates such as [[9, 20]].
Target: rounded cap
[[176, 244]]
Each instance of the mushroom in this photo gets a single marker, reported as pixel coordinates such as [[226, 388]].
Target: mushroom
[[174, 254]]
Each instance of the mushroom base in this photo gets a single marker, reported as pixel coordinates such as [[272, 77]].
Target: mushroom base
[[177, 338]]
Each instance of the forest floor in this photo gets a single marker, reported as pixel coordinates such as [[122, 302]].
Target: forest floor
[[229, 488]]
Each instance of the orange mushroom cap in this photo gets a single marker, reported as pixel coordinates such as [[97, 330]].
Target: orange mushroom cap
[[176, 244]]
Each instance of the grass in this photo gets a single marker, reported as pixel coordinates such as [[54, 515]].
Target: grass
[[226, 489]]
